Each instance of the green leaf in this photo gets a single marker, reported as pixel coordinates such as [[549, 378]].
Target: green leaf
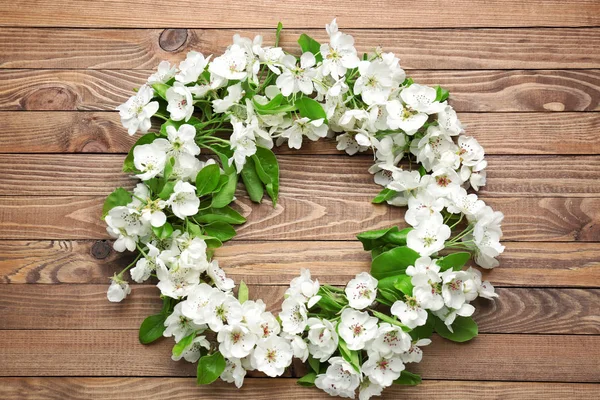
[[404, 284], [207, 179], [210, 367], [390, 320], [387, 290], [384, 195], [161, 89], [152, 328], [224, 214], [349, 355], [267, 169], [453, 261], [381, 237], [310, 108], [243, 292], [307, 380], [128, 163], [278, 33], [464, 329], [423, 331], [167, 190], [120, 197], [163, 232], [252, 182], [225, 153], [220, 230], [441, 94], [169, 167], [226, 194], [308, 44], [183, 344], [315, 364], [393, 262], [408, 378]]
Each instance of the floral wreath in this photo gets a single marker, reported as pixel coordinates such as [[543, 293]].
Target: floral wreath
[[363, 336]]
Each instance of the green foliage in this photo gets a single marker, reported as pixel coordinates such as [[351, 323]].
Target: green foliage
[[390, 320], [464, 329], [307, 380], [224, 214], [163, 232], [403, 283], [183, 344], [267, 169], [308, 44], [120, 197], [373, 239], [220, 230], [252, 182], [453, 261], [441, 94], [310, 109], [349, 355], [384, 195], [207, 179], [243, 292], [408, 378], [393, 262], [161, 90], [226, 193], [152, 328], [210, 367]]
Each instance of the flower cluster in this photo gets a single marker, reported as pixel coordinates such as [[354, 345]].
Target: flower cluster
[[238, 106]]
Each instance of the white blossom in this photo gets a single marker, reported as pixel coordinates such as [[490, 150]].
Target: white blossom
[[178, 325], [361, 291], [183, 201], [118, 289], [272, 355], [340, 379], [382, 370], [180, 104], [193, 351], [422, 99], [236, 341], [322, 338], [429, 237], [191, 68], [390, 340], [234, 372], [312, 129], [296, 78], [150, 159], [136, 112], [231, 65], [164, 73], [410, 312], [357, 328], [293, 315]]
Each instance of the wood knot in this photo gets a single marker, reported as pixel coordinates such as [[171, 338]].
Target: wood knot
[[101, 249], [172, 39], [50, 98]]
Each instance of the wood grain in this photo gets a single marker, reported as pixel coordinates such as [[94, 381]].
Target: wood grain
[[236, 14], [498, 133], [298, 217], [488, 357], [481, 91], [267, 389], [65, 307], [276, 263], [318, 176], [538, 48]]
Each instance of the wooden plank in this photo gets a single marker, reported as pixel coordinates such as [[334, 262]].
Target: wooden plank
[[301, 217], [499, 133], [492, 90], [338, 175], [407, 14], [417, 48], [36, 388], [553, 358], [276, 263], [65, 307]]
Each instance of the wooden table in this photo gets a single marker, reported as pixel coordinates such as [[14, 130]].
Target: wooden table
[[524, 76]]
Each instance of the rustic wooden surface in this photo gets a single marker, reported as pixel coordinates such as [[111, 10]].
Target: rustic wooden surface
[[525, 77]]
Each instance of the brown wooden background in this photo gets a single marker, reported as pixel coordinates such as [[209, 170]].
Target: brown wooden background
[[525, 77]]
